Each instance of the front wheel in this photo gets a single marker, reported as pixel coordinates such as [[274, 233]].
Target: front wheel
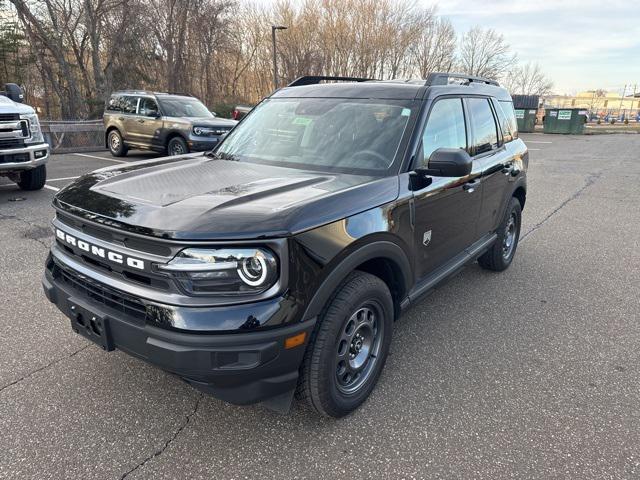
[[349, 346], [500, 255], [33, 179], [177, 146]]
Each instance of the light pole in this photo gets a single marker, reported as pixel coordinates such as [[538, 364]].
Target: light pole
[[275, 62]]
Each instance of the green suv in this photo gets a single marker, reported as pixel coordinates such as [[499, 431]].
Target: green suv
[[163, 122]]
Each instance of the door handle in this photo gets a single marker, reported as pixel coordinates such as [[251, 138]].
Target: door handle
[[470, 187], [140, 120], [121, 118]]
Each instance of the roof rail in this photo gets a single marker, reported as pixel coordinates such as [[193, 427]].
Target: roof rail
[[439, 78], [313, 79]]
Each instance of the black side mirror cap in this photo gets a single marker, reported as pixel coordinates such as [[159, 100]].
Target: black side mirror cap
[[448, 162], [14, 92]]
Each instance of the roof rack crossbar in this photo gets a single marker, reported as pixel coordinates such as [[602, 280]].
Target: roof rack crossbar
[[442, 78], [314, 79]]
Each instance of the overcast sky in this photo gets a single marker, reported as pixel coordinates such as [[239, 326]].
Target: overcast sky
[[581, 44]]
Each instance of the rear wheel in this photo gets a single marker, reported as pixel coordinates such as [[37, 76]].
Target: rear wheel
[[500, 255], [349, 346], [177, 146], [33, 179], [116, 144]]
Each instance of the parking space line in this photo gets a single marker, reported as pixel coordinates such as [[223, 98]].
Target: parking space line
[[49, 187], [537, 141], [69, 178], [535, 149], [100, 158]]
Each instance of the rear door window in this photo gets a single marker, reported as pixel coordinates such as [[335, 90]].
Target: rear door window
[[129, 104], [485, 130]]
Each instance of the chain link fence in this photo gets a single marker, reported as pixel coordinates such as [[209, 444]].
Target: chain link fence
[[74, 136]]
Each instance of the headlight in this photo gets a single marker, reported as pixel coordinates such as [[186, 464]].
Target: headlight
[[224, 271], [34, 127]]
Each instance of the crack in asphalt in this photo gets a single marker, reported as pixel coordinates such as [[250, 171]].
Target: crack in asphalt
[[30, 224], [159, 452], [44, 367], [591, 179]]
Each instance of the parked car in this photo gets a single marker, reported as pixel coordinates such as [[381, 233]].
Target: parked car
[[163, 122], [23, 151], [240, 111], [279, 262]]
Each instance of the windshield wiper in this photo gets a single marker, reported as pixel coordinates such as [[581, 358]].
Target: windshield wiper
[[220, 155]]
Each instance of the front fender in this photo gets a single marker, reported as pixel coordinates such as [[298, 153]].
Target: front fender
[[329, 253]]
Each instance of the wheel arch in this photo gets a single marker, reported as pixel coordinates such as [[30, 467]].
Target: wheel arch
[[110, 129], [381, 258], [173, 134], [521, 194]]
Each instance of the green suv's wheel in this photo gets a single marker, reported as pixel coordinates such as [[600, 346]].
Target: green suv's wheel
[[177, 146], [500, 255], [116, 144], [349, 346], [33, 179]]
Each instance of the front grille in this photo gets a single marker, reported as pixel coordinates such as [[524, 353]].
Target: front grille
[[14, 158], [5, 117], [100, 293], [11, 143], [142, 245]]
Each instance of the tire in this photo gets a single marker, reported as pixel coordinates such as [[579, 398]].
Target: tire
[[352, 337], [177, 146], [116, 144], [500, 255], [33, 179]]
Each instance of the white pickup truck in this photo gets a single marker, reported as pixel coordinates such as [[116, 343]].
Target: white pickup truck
[[23, 151]]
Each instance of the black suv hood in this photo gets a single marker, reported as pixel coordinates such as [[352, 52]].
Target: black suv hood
[[200, 198]]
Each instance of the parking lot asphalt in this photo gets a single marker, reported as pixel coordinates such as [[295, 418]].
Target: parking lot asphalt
[[531, 373]]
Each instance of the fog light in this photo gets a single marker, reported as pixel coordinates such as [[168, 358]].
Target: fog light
[[40, 153]]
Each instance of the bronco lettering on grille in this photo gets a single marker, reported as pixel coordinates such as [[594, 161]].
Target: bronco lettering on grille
[[99, 251]]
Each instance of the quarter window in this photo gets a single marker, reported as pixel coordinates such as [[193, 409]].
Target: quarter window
[[485, 133], [510, 117], [445, 127], [114, 104]]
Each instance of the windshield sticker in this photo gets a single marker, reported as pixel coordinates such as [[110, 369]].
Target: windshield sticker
[[302, 121], [406, 112]]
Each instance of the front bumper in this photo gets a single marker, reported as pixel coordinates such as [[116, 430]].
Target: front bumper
[[199, 143], [240, 368], [28, 157]]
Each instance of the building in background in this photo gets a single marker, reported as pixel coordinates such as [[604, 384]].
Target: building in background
[[599, 103]]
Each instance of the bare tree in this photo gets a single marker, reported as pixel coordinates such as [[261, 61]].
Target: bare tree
[[436, 49], [485, 53], [528, 79]]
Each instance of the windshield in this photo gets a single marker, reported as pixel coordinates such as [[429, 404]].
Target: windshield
[[338, 134], [183, 107]]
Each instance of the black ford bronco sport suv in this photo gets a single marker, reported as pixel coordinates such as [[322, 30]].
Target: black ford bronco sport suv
[[278, 262]]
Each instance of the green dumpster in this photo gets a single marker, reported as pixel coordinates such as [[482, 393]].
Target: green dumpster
[[526, 108], [565, 120], [526, 118]]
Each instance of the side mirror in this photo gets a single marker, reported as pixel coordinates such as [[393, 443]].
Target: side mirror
[[448, 162], [14, 92]]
